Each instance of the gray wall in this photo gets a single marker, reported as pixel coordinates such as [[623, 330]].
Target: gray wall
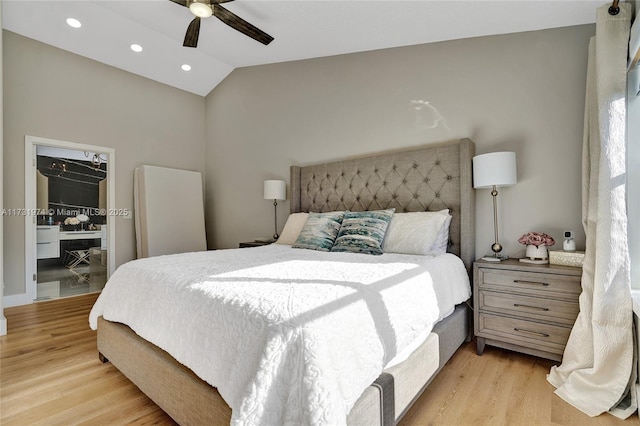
[[521, 92], [55, 94]]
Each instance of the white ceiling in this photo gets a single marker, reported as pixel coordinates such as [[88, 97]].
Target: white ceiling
[[302, 29]]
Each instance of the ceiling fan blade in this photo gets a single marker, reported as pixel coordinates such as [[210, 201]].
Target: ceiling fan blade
[[184, 2], [237, 23], [180, 2], [191, 37]]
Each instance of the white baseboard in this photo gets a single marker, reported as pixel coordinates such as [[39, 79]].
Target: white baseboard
[[9, 301], [16, 300]]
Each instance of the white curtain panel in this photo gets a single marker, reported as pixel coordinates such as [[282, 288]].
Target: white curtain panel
[[597, 365]]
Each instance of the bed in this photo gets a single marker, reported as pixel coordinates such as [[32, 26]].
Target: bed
[[428, 179]]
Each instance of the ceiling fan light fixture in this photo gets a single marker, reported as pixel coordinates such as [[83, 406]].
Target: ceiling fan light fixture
[[200, 9], [206, 8]]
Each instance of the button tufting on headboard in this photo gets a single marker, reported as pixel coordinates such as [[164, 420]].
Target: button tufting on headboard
[[428, 179]]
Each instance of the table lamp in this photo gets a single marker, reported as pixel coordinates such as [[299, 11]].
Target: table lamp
[[275, 190], [493, 170]]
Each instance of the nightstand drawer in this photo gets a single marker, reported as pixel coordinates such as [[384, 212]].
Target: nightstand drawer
[[535, 308], [548, 337], [535, 284]]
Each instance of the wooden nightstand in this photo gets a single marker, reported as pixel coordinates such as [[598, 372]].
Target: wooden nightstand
[[525, 307], [254, 244]]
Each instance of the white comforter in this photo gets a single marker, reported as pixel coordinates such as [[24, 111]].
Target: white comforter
[[287, 336]]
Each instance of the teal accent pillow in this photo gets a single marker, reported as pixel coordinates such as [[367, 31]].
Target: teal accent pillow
[[319, 231], [363, 232]]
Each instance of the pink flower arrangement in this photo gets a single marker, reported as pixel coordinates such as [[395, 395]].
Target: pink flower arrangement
[[536, 239]]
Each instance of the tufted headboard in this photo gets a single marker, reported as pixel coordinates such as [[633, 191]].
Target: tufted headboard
[[429, 179]]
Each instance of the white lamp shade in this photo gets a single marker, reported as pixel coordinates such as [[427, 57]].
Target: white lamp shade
[[275, 190], [494, 168]]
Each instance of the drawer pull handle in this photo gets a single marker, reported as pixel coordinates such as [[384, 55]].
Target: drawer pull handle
[[537, 333], [518, 305], [531, 282]]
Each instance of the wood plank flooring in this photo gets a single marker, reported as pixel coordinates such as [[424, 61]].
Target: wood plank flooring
[[50, 375]]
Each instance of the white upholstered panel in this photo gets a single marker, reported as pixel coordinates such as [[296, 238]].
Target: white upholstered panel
[[169, 211]]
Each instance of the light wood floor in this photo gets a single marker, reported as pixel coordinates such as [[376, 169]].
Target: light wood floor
[[50, 375]]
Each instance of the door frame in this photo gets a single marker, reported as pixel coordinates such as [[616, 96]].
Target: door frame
[[30, 196]]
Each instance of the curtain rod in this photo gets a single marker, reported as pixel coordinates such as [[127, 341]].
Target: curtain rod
[[614, 9]]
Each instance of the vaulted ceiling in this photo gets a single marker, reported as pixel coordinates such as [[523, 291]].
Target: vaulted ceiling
[[302, 29]]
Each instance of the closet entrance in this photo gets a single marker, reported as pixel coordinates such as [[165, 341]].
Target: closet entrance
[[70, 188]]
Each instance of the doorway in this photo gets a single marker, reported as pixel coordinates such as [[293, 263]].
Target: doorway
[[69, 235]]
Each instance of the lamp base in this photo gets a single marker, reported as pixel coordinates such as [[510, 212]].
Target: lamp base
[[495, 257]]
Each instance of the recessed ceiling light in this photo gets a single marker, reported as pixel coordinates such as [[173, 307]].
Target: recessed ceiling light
[[74, 23], [136, 48], [186, 67]]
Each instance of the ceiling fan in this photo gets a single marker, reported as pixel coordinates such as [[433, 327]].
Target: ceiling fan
[[206, 8]]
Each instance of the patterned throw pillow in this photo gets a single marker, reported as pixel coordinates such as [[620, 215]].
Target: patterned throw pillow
[[363, 232], [319, 231]]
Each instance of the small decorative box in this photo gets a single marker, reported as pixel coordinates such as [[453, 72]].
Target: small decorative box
[[566, 258]]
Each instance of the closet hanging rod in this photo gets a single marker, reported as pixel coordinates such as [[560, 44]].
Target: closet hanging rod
[[55, 171], [67, 160], [92, 210], [614, 9], [82, 165], [72, 180]]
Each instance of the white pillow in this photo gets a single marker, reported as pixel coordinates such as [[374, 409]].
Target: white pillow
[[441, 243], [292, 228], [418, 233]]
